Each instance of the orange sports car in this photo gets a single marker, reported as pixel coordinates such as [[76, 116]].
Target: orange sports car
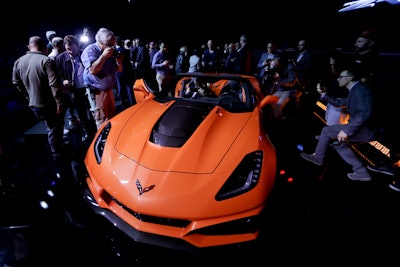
[[188, 170]]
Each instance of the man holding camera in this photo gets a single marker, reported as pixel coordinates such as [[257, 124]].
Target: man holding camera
[[101, 66], [70, 68]]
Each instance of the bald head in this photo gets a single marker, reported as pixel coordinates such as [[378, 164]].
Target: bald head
[[36, 43]]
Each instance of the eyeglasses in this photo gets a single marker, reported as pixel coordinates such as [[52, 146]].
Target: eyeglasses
[[343, 76]]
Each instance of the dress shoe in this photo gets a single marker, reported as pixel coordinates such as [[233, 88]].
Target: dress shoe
[[359, 177], [311, 158], [382, 169], [395, 185]]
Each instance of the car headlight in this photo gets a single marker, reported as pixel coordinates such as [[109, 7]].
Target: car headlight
[[101, 142], [244, 177]]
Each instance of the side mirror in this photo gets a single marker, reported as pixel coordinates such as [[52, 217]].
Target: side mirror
[[268, 100], [141, 92]]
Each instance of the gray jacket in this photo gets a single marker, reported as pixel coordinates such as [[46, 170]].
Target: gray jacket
[[35, 76]]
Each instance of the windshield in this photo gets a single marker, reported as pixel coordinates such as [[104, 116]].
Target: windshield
[[235, 95]]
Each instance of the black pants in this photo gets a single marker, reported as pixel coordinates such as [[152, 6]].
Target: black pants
[[54, 126]]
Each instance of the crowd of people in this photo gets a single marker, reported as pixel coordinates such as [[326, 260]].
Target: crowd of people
[[66, 79]]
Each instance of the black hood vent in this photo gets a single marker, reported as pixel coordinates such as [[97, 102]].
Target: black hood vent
[[179, 122]]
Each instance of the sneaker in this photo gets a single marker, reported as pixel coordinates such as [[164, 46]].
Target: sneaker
[[395, 186], [359, 177], [311, 158], [381, 169]]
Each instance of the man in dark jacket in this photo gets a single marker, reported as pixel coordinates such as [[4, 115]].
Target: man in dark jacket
[[70, 68], [360, 127]]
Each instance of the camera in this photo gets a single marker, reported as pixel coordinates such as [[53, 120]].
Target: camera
[[117, 52], [270, 70]]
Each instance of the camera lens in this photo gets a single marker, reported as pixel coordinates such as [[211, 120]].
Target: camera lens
[[117, 52]]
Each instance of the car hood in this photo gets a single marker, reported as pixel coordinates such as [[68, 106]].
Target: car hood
[[179, 136]]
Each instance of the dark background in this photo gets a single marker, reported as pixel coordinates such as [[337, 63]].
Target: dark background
[[335, 218], [192, 23]]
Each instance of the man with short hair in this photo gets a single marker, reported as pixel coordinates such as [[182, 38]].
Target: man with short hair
[[360, 127], [35, 76], [70, 68]]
